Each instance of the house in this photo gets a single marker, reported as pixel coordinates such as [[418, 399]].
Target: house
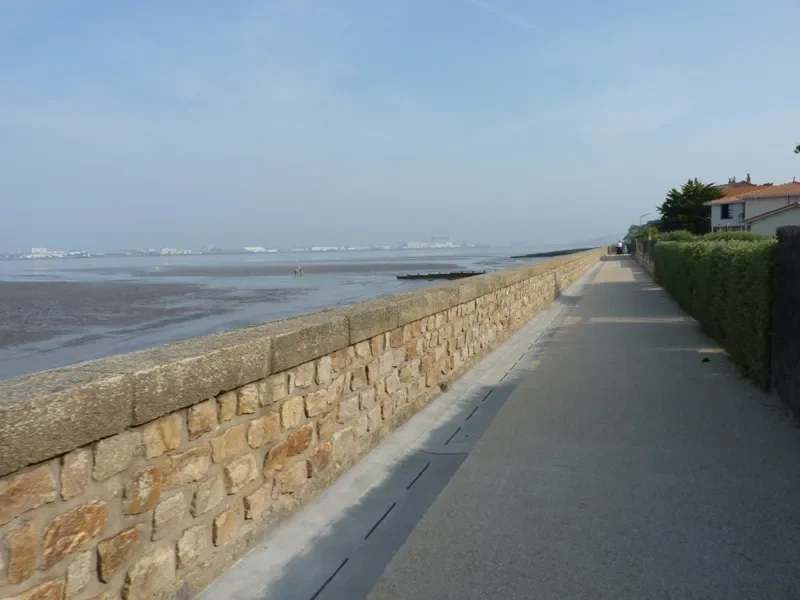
[[759, 208]]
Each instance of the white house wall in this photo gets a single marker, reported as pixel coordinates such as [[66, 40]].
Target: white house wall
[[764, 205], [716, 215], [768, 225]]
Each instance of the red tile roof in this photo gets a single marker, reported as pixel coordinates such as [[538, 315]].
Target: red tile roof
[[771, 191], [772, 212], [735, 196]]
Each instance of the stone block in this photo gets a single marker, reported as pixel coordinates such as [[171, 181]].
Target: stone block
[[50, 590], [374, 418], [324, 370], [151, 576], [396, 337], [115, 454], [415, 348], [259, 503], [292, 412], [169, 515], [366, 399], [239, 473], [359, 379], [327, 424], [295, 444], [230, 444], [249, 398], [361, 425], [362, 350], [142, 490], [114, 553], [336, 389], [227, 525], [370, 318], [340, 359], [292, 479], [400, 397], [377, 345], [76, 468], [72, 531], [186, 467], [163, 435], [264, 430], [393, 382], [208, 496], [302, 339], [410, 370], [380, 367], [79, 574], [342, 441], [22, 555], [302, 377], [319, 459], [50, 413], [202, 418], [228, 403], [398, 356], [422, 303], [26, 492], [178, 375], [193, 545], [316, 403], [387, 408], [348, 409], [276, 389]]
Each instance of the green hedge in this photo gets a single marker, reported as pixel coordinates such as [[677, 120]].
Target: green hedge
[[727, 287], [741, 236], [676, 236]]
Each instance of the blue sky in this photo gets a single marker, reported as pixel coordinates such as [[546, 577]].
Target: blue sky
[[292, 122]]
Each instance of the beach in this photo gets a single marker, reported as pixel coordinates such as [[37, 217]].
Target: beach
[[59, 312]]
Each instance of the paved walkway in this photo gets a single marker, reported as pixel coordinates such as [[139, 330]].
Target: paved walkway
[[621, 466]]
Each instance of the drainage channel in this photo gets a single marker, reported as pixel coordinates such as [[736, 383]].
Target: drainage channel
[[338, 546]]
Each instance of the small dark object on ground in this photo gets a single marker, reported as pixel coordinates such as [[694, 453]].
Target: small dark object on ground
[[443, 386], [706, 359], [451, 275]]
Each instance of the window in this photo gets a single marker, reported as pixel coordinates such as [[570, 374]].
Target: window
[[726, 211]]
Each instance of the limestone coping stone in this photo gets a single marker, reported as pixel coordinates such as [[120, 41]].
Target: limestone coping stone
[[46, 414]]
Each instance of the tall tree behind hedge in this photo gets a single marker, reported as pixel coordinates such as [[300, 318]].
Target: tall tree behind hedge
[[684, 208]]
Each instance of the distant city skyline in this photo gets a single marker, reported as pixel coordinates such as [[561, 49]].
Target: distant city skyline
[[126, 125]]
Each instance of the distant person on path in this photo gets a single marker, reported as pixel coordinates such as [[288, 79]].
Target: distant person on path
[[619, 247]]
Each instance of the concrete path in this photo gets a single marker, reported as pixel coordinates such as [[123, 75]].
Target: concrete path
[[338, 546], [621, 466]]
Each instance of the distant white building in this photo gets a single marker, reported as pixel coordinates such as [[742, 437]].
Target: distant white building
[[761, 209], [255, 249]]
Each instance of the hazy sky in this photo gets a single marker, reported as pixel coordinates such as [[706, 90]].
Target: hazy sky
[[292, 122]]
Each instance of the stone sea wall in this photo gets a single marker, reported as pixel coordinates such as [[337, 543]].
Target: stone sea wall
[[146, 475]]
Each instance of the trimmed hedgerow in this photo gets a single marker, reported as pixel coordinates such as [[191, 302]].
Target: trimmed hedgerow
[[727, 287]]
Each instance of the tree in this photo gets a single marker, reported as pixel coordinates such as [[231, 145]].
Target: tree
[[633, 230], [797, 150], [685, 208]]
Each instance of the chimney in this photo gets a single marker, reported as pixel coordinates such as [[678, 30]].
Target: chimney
[[733, 179], [748, 178]]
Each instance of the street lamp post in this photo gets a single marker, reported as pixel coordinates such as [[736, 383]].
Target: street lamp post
[[642, 217]]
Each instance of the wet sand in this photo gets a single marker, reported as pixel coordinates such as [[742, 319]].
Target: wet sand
[[37, 311], [59, 312], [262, 270]]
